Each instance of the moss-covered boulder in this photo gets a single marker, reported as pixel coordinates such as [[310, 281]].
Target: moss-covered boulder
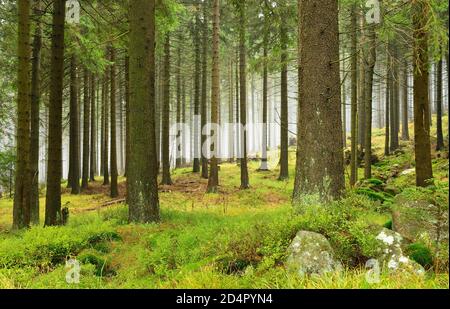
[[311, 254], [415, 219], [391, 257]]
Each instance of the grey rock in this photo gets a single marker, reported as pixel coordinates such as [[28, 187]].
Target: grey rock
[[311, 254]]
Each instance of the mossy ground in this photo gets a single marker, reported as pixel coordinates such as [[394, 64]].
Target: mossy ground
[[234, 239]]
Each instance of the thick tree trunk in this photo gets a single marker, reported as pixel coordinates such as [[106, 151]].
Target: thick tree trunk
[[21, 209], [422, 144], [114, 191], [142, 172], [243, 92], [54, 165], [320, 166], [166, 179], [213, 181], [35, 104]]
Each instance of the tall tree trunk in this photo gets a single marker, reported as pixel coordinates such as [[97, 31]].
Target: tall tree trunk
[[121, 135], [178, 160], [127, 113], [405, 118], [196, 166], [34, 124], [166, 179], [213, 181], [422, 143], [264, 166], [231, 113], [54, 165], [74, 143], [238, 102], [371, 60], [93, 148], [394, 103], [204, 113], [113, 144], [344, 105], [354, 103], [142, 173], [243, 92], [21, 209], [106, 167], [284, 120], [320, 166], [387, 108], [440, 135], [183, 120], [102, 127], [86, 132], [362, 84]]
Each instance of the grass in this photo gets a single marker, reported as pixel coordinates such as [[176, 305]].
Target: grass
[[234, 239]]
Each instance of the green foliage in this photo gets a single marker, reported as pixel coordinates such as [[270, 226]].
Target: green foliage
[[47, 247], [7, 160], [102, 264], [420, 253]]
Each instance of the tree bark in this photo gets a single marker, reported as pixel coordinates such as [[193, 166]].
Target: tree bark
[[243, 91], [196, 166], [204, 110], [166, 179], [35, 104], [114, 191], [142, 185], [320, 166], [440, 136], [93, 148], [424, 171], [74, 143], [213, 181], [21, 208], [405, 118], [54, 165], [284, 121], [86, 130], [371, 58], [106, 167], [354, 103]]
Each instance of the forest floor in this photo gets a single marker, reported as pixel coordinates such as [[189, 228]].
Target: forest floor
[[234, 239]]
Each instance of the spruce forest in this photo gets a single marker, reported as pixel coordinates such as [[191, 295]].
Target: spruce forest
[[224, 144]]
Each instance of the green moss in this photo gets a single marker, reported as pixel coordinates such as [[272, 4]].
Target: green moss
[[388, 225], [421, 254], [102, 264]]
